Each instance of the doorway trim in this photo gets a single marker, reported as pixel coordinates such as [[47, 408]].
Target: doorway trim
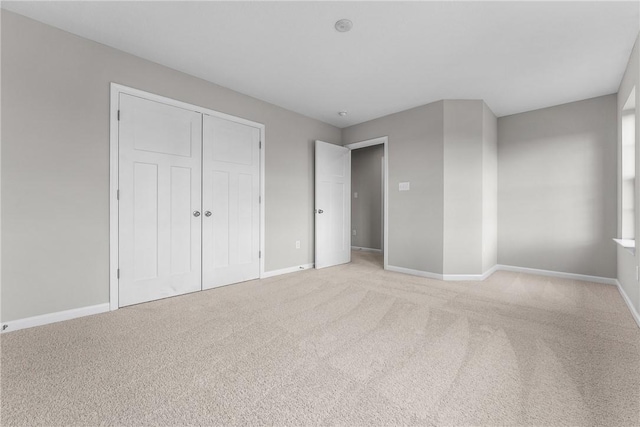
[[116, 89], [384, 140]]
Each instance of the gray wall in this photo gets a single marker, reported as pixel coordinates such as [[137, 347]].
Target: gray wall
[[470, 187], [557, 188], [366, 210], [627, 261], [489, 189], [462, 246], [444, 151], [55, 164], [415, 151]]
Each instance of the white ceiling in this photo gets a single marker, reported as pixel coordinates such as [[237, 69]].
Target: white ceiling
[[517, 56]]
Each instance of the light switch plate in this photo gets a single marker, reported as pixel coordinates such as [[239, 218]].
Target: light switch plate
[[404, 186]]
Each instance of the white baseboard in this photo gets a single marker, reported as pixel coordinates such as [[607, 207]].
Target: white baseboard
[[272, 273], [45, 319], [559, 274], [489, 272], [486, 274], [445, 277], [473, 277], [462, 277], [632, 309], [412, 272], [358, 248]]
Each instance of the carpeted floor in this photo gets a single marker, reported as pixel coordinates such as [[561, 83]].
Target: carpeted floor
[[349, 345]]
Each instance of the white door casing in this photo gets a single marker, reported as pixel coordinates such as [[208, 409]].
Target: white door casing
[[231, 192], [332, 205], [160, 189]]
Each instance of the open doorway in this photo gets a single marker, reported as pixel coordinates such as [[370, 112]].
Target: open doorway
[[368, 201]]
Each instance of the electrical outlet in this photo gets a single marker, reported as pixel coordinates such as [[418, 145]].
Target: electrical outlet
[[355, 195], [354, 232], [297, 244]]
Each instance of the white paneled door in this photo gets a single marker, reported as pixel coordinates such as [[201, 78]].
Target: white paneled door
[[189, 199], [332, 205], [230, 201], [159, 200]]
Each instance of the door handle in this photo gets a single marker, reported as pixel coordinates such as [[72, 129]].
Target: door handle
[[320, 211], [207, 213], [196, 214]]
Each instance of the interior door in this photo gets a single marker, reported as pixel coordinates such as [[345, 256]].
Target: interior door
[[231, 192], [332, 205], [160, 200]]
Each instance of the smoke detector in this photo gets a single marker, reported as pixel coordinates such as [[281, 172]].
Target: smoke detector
[[342, 113], [343, 25]]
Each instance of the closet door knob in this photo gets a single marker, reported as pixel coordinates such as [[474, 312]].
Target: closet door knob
[[196, 214], [207, 213]]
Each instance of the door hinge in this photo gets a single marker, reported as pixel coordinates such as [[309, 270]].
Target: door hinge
[[260, 145], [117, 194], [259, 199], [259, 254], [118, 273], [118, 115]]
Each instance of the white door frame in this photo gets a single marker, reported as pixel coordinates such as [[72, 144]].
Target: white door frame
[[384, 140], [116, 90]]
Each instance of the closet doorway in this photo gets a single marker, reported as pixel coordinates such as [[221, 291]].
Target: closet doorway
[[186, 198], [369, 196]]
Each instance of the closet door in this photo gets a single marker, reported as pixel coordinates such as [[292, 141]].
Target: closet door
[[160, 154], [230, 201]]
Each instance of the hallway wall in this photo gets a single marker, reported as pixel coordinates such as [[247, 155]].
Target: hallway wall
[[366, 209]]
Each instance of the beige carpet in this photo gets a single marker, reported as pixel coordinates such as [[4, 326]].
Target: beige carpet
[[350, 345]]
